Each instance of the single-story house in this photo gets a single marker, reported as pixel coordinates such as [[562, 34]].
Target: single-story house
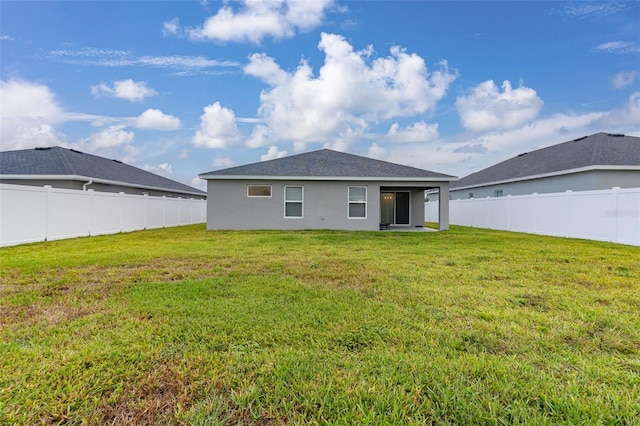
[[598, 161], [322, 189], [71, 169]]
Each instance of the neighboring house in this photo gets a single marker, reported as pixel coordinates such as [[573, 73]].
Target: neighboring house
[[322, 190], [599, 161], [71, 169]]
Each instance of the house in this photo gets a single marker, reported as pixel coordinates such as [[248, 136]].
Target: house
[[599, 161], [322, 189], [71, 169]]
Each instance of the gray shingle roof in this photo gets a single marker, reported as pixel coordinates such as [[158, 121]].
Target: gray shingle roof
[[600, 149], [57, 161], [326, 163]]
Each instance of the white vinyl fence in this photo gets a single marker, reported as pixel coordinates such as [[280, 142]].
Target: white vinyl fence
[[29, 214], [603, 215]]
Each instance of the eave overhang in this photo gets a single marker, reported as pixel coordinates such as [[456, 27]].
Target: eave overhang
[[86, 179]]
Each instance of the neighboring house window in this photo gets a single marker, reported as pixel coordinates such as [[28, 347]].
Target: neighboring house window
[[357, 202], [258, 190], [293, 198], [497, 193], [471, 195]]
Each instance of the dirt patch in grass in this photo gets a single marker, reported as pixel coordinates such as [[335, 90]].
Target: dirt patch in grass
[[58, 295], [155, 399]]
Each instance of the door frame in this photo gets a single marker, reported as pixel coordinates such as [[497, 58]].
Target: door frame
[[394, 192]]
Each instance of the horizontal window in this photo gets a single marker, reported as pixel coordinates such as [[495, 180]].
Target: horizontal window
[[259, 190]]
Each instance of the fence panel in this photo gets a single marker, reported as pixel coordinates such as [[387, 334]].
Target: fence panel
[[33, 210], [155, 212], [106, 214], [31, 214], [603, 215], [68, 214]]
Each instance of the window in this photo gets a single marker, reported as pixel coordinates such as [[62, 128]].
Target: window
[[293, 201], [497, 193], [357, 202], [471, 195], [258, 190]]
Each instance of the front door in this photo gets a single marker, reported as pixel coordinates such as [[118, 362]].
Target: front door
[[394, 208]]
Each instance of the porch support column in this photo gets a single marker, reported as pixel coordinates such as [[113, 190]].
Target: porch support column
[[443, 207]]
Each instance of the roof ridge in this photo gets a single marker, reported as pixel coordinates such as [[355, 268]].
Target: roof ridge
[[62, 152], [597, 147]]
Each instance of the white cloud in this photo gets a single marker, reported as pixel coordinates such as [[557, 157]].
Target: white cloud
[[28, 115], [260, 136], [627, 117], [133, 91], [5, 37], [257, 19], [416, 132], [623, 79], [217, 128], [349, 92], [162, 169], [587, 9], [196, 182], [377, 152], [618, 47], [183, 65], [223, 162], [110, 137], [273, 153], [155, 119], [488, 108], [171, 28], [112, 142]]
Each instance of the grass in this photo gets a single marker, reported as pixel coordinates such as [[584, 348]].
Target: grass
[[183, 326]]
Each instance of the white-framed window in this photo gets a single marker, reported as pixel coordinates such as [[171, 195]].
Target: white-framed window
[[293, 200], [357, 202], [258, 190]]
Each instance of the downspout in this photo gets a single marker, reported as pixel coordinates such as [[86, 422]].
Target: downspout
[[84, 186]]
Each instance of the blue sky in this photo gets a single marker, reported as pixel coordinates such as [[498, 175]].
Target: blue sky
[[185, 87]]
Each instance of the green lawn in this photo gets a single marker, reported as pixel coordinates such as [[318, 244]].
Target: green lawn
[[184, 326]]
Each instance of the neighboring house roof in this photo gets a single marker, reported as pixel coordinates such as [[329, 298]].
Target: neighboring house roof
[[598, 151], [326, 164], [56, 163]]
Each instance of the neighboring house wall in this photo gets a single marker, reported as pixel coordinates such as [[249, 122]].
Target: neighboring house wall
[[99, 187], [325, 205], [582, 181]]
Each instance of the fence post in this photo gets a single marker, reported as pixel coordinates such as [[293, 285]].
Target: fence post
[[91, 209], [146, 210], [509, 212], [164, 211], [615, 192], [569, 219], [47, 211], [534, 211], [121, 211]]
